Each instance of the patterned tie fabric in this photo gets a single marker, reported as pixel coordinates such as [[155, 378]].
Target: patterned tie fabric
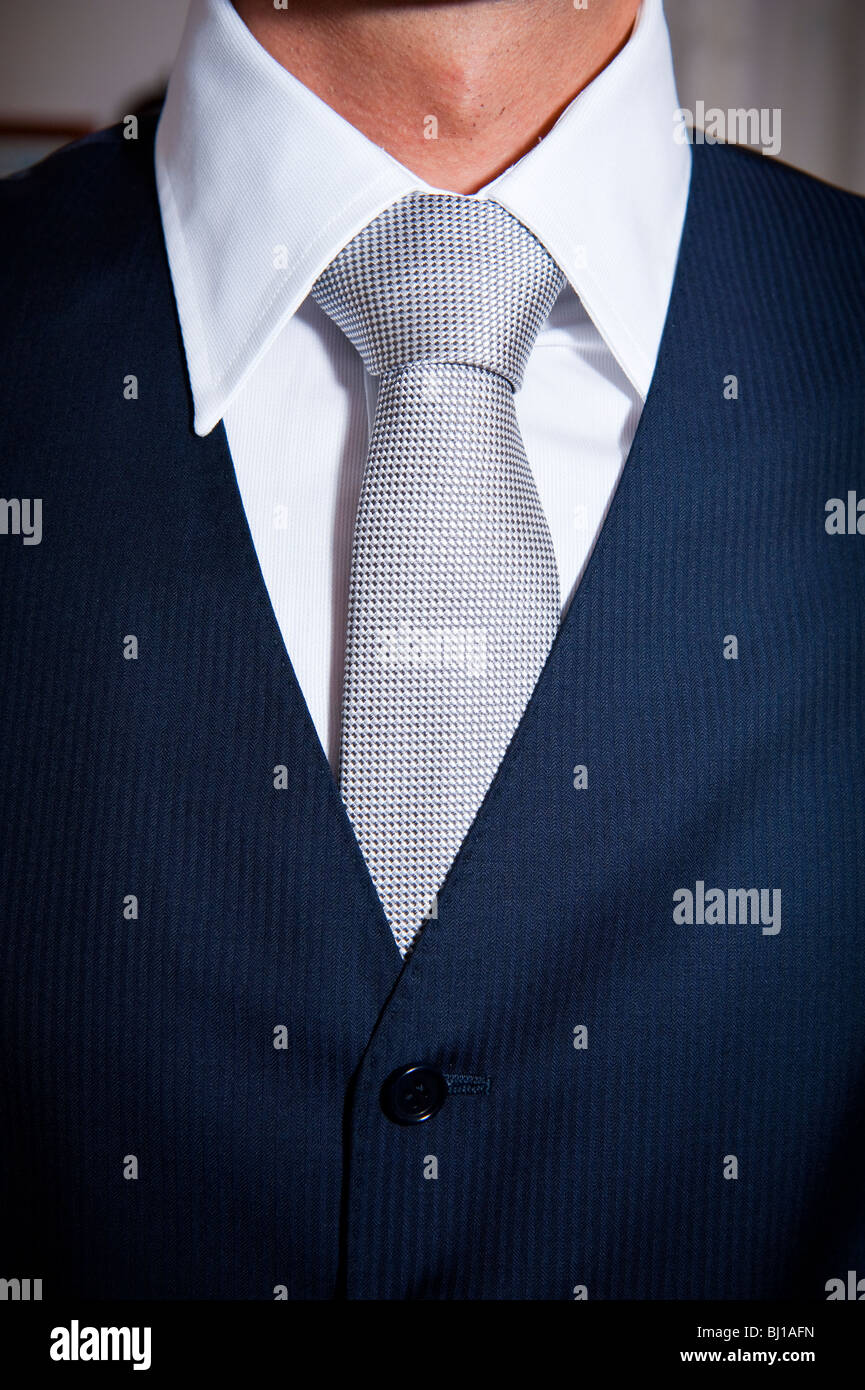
[[454, 589]]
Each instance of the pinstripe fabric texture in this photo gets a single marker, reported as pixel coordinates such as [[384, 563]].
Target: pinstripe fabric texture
[[234, 1036], [454, 591]]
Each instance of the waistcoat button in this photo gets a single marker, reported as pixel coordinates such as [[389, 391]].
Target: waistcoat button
[[414, 1093]]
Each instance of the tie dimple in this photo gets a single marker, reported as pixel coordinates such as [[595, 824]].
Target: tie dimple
[[454, 593]]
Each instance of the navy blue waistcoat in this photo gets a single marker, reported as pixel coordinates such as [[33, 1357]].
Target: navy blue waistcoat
[[200, 997]]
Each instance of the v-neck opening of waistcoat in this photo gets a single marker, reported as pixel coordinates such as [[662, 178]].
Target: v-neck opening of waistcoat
[[542, 700]]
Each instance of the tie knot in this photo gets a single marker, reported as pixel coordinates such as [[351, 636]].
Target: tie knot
[[442, 278]]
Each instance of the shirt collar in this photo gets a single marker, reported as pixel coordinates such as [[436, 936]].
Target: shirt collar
[[261, 184]]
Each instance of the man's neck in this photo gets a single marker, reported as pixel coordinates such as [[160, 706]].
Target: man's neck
[[456, 91]]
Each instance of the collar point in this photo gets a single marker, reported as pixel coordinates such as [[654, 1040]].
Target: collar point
[[205, 420]]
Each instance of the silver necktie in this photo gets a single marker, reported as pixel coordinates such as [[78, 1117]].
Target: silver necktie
[[454, 589]]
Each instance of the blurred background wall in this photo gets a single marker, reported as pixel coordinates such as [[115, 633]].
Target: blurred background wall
[[71, 65], [806, 57]]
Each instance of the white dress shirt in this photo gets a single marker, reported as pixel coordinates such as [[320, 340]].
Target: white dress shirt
[[261, 184]]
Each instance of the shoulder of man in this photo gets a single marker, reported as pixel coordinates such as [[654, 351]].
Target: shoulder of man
[[68, 221], [806, 233]]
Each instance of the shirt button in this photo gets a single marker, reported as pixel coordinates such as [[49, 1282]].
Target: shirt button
[[413, 1094]]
